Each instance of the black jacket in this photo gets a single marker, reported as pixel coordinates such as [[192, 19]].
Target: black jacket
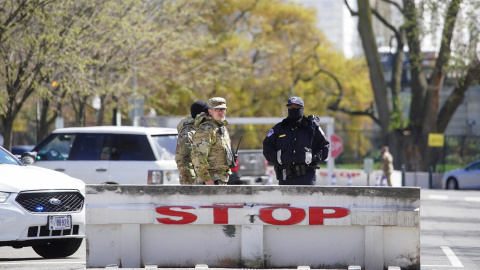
[[294, 142]]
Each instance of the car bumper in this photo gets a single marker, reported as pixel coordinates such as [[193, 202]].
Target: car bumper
[[16, 224]]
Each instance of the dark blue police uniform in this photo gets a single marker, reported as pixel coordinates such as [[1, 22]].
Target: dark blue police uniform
[[296, 147]]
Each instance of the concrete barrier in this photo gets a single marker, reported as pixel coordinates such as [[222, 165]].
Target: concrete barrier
[[358, 177], [252, 226], [347, 177]]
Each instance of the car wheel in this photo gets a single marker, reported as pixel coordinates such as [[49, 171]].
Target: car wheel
[[452, 183], [58, 248]]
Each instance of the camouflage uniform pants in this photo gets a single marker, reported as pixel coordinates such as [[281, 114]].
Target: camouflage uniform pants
[[220, 178]]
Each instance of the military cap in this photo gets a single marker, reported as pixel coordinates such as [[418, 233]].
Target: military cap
[[198, 107], [295, 100], [217, 102]]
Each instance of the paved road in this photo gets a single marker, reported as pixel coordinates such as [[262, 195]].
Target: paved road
[[26, 258], [450, 229], [450, 236]]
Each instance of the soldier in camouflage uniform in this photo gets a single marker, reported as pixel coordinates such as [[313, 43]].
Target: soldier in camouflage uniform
[[186, 129], [212, 153]]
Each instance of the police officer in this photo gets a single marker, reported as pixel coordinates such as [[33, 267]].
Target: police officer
[[186, 129], [212, 154], [296, 145]]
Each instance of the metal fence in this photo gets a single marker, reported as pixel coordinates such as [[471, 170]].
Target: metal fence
[[457, 150]]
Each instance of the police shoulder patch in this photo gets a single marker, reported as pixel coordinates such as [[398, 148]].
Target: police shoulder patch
[[270, 133]]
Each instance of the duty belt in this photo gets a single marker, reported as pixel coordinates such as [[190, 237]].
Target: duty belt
[[286, 172]]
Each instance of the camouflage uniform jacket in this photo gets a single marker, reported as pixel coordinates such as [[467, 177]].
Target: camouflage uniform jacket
[[186, 129], [211, 150]]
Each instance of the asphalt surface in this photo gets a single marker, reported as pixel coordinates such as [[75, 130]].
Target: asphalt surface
[[450, 237]]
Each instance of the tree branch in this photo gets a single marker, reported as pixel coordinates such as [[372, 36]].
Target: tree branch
[[353, 13], [386, 23], [395, 4], [368, 112], [335, 106], [458, 94]]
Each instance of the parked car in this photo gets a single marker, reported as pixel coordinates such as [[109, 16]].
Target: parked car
[[251, 168], [110, 154], [18, 150], [40, 208], [463, 178]]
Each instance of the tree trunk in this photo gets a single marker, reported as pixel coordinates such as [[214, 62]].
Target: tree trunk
[[376, 71], [101, 112], [46, 122], [431, 103], [457, 95], [7, 123]]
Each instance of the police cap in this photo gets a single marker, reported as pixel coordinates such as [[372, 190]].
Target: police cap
[[295, 100]]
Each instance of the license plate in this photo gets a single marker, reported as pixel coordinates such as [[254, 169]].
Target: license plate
[[60, 222]]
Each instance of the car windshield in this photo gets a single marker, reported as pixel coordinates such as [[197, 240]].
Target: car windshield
[[474, 166], [55, 147], [7, 158], [165, 146]]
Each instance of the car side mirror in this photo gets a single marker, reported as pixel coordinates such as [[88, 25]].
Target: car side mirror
[[29, 157]]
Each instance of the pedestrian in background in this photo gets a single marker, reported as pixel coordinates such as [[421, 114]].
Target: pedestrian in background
[[212, 154], [183, 153], [387, 165], [296, 145]]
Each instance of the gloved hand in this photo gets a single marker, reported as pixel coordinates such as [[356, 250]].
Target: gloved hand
[[279, 157], [318, 157], [308, 157]]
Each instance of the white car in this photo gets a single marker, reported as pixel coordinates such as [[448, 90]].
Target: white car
[[40, 208], [463, 178], [110, 154]]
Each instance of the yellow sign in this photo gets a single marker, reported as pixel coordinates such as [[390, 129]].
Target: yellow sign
[[20, 125], [435, 139]]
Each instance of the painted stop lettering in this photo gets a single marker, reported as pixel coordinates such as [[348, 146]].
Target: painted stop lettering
[[317, 214]]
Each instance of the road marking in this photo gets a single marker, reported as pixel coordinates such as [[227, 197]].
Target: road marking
[[446, 198], [472, 199], [452, 257], [438, 197]]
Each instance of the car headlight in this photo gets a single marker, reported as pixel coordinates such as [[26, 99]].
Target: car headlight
[[82, 191], [4, 196], [155, 177]]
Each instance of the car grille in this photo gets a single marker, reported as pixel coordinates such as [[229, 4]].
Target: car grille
[[43, 231], [51, 202]]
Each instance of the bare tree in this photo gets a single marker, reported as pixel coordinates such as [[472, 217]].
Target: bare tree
[[409, 138]]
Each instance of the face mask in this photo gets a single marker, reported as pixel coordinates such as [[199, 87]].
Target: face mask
[[295, 114]]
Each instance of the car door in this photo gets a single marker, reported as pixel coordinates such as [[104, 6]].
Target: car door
[[131, 159], [89, 159], [471, 177]]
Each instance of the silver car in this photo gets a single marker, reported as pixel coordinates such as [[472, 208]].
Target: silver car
[[463, 178], [40, 208]]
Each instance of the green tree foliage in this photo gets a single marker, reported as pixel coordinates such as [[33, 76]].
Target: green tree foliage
[[255, 53], [66, 52]]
